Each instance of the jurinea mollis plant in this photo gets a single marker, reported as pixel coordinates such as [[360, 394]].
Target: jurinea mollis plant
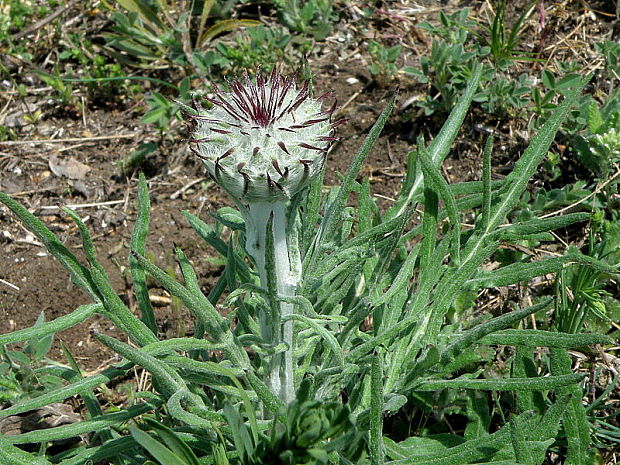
[[289, 373], [263, 142]]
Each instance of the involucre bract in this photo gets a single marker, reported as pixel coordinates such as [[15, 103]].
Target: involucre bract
[[264, 139]]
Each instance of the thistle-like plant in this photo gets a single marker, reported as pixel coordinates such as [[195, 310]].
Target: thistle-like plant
[[263, 141], [323, 269]]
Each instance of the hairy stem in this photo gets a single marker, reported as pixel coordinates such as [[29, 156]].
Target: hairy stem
[[274, 250]]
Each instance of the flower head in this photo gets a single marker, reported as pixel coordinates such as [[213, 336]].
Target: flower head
[[265, 139]]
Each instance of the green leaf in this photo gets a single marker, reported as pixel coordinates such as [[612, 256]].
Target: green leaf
[[79, 273], [226, 25], [568, 81], [521, 451], [405, 273], [434, 180], [173, 441], [241, 438], [207, 6], [230, 217], [334, 210], [164, 455], [525, 167], [197, 303], [594, 118], [146, 14], [518, 231], [450, 450], [61, 323], [99, 454], [90, 400], [548, 79], [322, 332], [40, 346], [486, 183], [11, 455], [523, 366], [541, 338], [82, 427], [118, 312], [523, 271], [377, 454], [510, 384], [440, 146], [207, 233], [575, 419], [169, 380], [415, 446], [478, 415], [138, 243]]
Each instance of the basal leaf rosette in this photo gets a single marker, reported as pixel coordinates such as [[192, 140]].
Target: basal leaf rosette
[[264, 139]]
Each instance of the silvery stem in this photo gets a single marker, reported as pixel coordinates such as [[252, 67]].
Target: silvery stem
[[275, 258]]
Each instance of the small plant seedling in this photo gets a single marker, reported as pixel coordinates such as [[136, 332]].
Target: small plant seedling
[[383, 62]]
